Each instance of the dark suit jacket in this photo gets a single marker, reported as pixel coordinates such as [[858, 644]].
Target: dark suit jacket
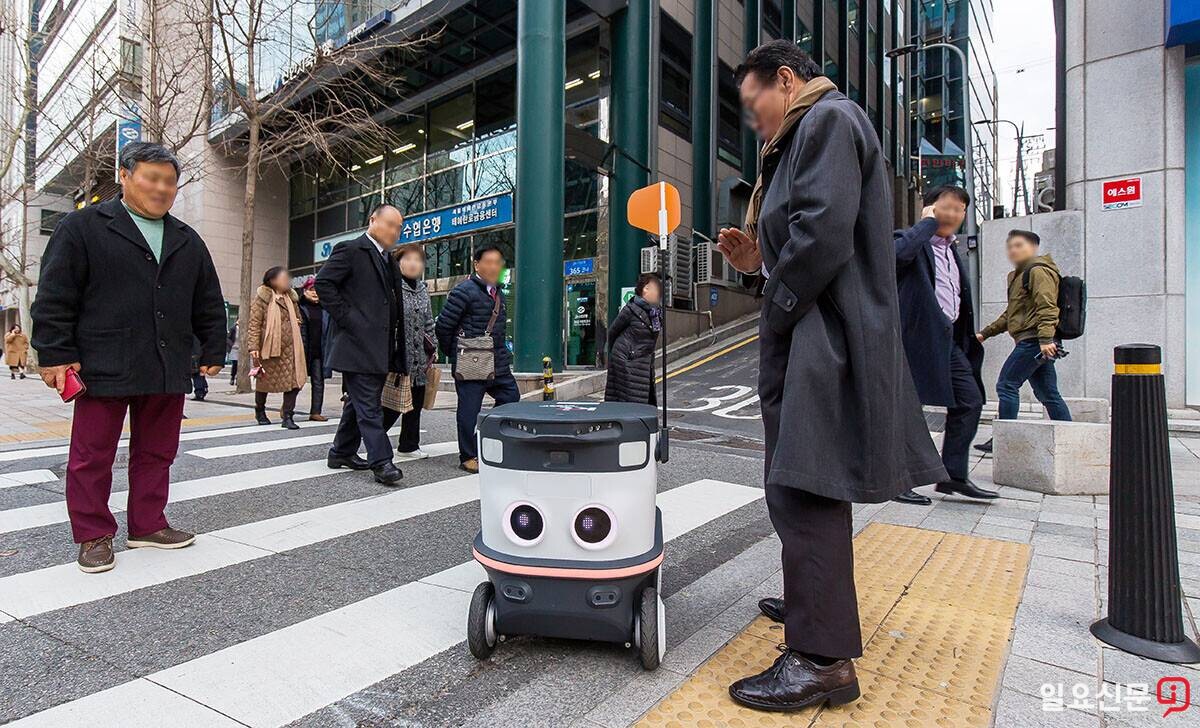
[[356, 287], [928, 336], [129, 320]]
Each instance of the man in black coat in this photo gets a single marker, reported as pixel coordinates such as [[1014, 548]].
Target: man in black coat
[[842, 420], [124, 287], [472, 307], [938, 324], [357, 288]]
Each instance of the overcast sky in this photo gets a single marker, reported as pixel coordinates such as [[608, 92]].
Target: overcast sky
[[1023, 58]]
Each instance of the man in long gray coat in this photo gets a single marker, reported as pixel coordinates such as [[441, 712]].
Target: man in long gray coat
[[843, 424]]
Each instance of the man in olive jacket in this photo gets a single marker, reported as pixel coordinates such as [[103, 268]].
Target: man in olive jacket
[[1031, 319], [842, 420], [124, 287]]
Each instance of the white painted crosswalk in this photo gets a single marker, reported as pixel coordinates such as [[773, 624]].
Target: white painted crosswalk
[[46, 514], [26, 477], [283, 675], [9, 456]]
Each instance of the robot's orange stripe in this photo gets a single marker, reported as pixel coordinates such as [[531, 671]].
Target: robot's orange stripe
[[561, 573]]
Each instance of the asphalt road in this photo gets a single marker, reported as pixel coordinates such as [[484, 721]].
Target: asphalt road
[[718, 394]]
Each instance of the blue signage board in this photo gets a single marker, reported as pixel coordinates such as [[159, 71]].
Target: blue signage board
[[1182, 22], [713, 297], [324, 247], [462, 218], [580, 267]]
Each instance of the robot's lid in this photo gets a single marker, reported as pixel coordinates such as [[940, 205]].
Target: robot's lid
[[631, 416]]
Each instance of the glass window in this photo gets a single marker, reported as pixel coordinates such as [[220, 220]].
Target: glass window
[[408, 197], [365, 176], [406, 160], [331, 221], [496, 112], [729, 120], [579, 236], [496, 174], [451, 132], [300, 241], [359, 211], [460, 256], [449, 187], [675, 52], [303, 192], [804, 37], [331, 185], [581, 187], [503, 239]]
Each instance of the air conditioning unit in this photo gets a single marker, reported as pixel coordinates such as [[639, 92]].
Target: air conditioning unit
[[650, 259], [702, 253]]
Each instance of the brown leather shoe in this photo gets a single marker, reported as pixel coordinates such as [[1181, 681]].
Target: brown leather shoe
[[794, 682], [471, 466], [167, 538], [318, 418], [96, 555]]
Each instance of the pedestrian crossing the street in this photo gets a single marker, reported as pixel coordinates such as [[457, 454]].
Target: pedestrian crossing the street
[[279, 667]]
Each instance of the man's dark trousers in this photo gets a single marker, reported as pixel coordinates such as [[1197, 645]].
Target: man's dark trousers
[[962, 419], [816, 533], [470, 401], [153, 443], [362, 419]]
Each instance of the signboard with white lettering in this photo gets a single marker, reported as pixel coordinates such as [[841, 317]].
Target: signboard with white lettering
[[580, 267], [466, 217], [1119, 194]]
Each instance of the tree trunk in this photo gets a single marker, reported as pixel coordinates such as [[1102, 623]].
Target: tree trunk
[[253, 153]]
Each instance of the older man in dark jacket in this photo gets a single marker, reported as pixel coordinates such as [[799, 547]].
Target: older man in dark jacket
[[938, 323], [476, 307], [842, 420], [124, 287], [358, 289]]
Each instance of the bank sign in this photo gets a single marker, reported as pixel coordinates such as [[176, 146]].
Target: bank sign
[[478, 214]]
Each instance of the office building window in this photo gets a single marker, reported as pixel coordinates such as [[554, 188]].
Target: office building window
[[675, 106], [50, 220], [772, 20], [729, 121]]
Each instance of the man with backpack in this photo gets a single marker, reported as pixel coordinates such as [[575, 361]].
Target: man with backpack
[[1032, 318]]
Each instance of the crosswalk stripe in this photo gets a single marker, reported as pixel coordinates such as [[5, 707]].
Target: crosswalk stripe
[[64, 585], [254, 448], [47, 514], [26, 477], [8, 456], [286, 674]]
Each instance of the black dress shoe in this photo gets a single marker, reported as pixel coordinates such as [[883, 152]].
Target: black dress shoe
[[913, 498], [353, 462], [773, 608], [288, 423], [794, 682], [387, 474], [967, 488], [985, 446]]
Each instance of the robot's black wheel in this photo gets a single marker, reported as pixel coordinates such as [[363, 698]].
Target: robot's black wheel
[[649, 629], [481, 621]]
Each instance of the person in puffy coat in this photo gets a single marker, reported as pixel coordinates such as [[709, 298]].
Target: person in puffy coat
[[276, 347], [631, 343]]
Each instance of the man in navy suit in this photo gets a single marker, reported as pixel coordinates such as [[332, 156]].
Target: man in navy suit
[[357, 288], [937, 322]]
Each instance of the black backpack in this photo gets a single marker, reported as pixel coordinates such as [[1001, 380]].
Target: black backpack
[[1072, 303]]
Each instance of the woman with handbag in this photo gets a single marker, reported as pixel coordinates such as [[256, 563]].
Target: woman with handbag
[[405, 395], [276, 347], [631, 344]]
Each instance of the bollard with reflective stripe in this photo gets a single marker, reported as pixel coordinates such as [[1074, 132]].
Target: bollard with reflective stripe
[[1145, 615]]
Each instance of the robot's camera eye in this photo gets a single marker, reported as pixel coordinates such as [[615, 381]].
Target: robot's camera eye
[[593, 525], [526, 523]]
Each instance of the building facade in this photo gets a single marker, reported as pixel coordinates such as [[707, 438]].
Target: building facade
[[1129, 222], [647, 92]]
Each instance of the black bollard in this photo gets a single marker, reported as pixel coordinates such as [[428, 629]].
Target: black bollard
[[1145, 616]]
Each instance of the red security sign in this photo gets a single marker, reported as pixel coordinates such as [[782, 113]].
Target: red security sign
[[1122, 193]]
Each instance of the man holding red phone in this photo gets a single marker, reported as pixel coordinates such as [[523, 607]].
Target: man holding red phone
[[124, 287]]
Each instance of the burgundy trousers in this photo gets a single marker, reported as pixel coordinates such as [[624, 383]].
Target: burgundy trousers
[[154, 421]]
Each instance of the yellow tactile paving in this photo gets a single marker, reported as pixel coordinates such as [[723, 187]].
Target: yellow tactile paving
[[937, 612], [56, 429]]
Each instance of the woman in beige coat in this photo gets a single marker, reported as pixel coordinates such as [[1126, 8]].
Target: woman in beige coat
[[16, 348], [276, 348]]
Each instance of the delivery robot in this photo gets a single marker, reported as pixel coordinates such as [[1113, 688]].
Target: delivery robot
[[571, 539]]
